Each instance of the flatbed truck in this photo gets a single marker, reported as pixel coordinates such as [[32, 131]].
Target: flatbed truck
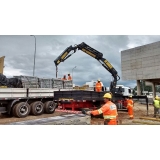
[[20, 102]]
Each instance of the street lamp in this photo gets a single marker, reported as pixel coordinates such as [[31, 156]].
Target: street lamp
[[72, 73], [34, 55]]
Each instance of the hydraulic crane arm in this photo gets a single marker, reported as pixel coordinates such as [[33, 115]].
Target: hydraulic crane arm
[[93, 53], [64, 55]]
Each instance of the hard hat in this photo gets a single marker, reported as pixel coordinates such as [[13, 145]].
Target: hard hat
[[98, 80], [107, 95], [68, 73], [130, 96]]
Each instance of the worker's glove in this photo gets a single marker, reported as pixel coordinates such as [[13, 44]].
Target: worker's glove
[[88, 112]]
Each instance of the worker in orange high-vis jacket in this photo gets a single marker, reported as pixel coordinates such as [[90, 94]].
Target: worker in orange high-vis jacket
[[130, 107], [69, 76], [64, 77], [98, 86], [109, 111]]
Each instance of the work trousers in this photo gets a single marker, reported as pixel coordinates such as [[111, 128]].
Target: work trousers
[[130, 111], [156, 110], [110, 122]]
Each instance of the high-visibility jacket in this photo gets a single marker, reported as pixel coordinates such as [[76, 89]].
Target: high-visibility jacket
[[109, 111], [98, 87], [129, 103], [130, 107], [69, 78], [156, 103]]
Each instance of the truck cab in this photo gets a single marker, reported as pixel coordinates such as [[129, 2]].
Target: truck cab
[[126, 91]]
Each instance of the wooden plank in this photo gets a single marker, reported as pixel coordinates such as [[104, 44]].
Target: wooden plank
[[149, 118], [144, 122]]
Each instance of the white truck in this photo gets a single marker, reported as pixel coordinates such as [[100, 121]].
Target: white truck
[[126, 91]]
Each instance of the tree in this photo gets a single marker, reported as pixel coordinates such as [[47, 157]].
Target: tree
[[143, 87]]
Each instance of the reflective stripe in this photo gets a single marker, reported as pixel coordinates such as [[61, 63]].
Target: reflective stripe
[[100, 111], [109, 117]]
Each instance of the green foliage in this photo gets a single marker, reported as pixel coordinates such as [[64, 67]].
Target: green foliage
[[143, 87]]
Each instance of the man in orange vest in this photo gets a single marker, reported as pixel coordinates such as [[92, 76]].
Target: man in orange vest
[[109, 111], [130, 107], [98, 86], [64, 77], [69, 76]]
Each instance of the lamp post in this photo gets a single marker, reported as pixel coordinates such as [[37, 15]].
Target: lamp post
[[72, 74], [34, 55]]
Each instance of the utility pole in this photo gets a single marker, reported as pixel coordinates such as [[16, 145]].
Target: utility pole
[[34, 55]]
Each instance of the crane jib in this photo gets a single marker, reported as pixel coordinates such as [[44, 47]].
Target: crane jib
[[108, 64], [91, 54], [64, 55]]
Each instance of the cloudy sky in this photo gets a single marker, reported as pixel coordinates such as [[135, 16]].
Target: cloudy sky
[[106, 27], [97, 21], [19, 55]]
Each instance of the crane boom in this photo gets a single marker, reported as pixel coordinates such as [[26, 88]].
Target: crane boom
[[93, 53]]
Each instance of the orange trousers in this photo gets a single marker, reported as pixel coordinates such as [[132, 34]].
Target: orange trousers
[[110, 122], [130, 111]]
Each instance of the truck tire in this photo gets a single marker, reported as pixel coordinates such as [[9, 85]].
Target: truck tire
[[49, 107], [21, 109], [13, 110], [37, 108]]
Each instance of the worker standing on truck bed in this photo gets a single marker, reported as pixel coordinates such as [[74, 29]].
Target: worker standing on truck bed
[[109, 111], [130, 107], [64, 77], [98, 86], [69, 76]]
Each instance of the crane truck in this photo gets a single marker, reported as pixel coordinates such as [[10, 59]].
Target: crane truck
[[20, 101], [80, 99]]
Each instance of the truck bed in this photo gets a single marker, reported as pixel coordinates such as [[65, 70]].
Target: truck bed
[[12, 93], [82, 95]]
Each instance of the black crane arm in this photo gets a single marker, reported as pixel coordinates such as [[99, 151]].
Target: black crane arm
[[99, 56], [64, 55], [95, 54]]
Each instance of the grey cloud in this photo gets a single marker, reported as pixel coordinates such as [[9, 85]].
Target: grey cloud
[[19, 53]]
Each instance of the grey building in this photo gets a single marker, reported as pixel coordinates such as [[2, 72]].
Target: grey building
[[142, 63]]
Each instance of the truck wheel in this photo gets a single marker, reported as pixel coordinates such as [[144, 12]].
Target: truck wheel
[[49, 107], [37, 108], [13, 110], [21, 109]]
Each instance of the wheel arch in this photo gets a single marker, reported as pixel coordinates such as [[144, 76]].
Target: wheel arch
[[11, 104]]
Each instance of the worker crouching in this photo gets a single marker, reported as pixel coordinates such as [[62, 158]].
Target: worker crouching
[[109, 111]]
